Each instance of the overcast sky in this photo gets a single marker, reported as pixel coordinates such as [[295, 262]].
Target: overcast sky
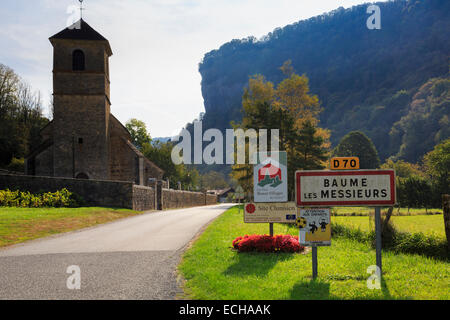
[[157, 45]]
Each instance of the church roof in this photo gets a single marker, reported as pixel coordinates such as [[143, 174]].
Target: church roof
[[83, 32]]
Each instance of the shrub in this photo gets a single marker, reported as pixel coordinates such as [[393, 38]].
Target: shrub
[[60, 198], [397, 241], [266, 243]]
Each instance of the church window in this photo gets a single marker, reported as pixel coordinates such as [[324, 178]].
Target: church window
[[78, 61]]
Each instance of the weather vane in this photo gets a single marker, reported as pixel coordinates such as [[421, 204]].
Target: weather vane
[[81, 8]]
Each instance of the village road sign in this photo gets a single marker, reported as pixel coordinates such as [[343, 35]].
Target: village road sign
[[344, 163], [345, 188], [270, 177], [271, 212], [314, 225]]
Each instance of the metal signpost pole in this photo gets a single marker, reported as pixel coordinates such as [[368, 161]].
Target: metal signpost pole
[[314, 262], [378, 236], [271, 229]]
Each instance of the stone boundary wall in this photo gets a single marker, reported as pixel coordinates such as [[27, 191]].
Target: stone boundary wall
[[94, 192], [144, 198], [211, 199], [104, 193], [172, 199]]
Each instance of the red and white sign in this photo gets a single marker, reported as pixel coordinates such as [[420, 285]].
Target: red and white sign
[[345, 188]]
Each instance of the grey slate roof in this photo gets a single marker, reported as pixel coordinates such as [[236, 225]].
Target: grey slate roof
[[85, 32]]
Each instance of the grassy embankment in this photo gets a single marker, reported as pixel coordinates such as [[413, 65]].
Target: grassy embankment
[[22, 224], [214, 271]]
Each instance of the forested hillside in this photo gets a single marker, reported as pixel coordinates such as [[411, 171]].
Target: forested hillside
[[382, 82]]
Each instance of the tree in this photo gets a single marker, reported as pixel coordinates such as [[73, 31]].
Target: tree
[[161, 154], [213, 180], [293, 94], [310, 153], [357, 144], [290, 109], [437, 167], [403, 169], [20, 118], [138, 131]]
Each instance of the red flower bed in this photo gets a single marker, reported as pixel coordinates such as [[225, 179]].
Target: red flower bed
[[266, 243]]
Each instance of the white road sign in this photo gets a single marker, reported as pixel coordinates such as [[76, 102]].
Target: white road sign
[[345, 188]]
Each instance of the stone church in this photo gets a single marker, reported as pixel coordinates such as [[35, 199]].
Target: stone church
[[84, 140]]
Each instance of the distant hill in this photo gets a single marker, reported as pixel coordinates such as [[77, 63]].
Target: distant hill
[[366, 80], [161, 139]]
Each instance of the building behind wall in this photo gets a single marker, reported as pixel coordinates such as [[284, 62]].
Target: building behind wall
[[84, 140]]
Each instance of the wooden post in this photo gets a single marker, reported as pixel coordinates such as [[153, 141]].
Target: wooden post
[[446, 209], [271, 229]]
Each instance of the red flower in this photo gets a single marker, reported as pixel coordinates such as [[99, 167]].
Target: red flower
[[266, 243]]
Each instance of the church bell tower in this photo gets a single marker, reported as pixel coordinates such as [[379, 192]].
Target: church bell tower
[[81, 102]]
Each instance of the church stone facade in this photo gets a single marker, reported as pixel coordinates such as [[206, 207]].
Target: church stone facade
[[84, 140]]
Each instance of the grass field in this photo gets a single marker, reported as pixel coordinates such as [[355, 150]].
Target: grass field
[[365, 211], [22, 224], [214, 271], [427, 224]]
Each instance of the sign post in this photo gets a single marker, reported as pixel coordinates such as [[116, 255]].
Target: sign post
[[270, 178], [346, 188], [268, 212], [240, 195], [314, 262], [378, 237], [314, 230]]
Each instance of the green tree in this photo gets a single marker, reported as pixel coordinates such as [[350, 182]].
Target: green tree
[[21, 117], [357, 144], [403, 169], [290, 109], [437, 167], [213, 180], [161, 154], [310, 153], [138, 131]]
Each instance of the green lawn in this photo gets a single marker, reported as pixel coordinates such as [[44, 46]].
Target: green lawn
[[22, 224], [364, 211], [427, 224], [214, 271]]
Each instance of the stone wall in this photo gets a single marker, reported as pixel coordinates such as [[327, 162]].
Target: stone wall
[[144, 198], [211, 199], [109, 193], [94, 192], [172, 199]]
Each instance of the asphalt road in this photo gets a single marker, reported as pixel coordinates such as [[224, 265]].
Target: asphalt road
[[134, 258]]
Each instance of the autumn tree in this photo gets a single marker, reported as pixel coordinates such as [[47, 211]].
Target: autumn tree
[[292, 110]]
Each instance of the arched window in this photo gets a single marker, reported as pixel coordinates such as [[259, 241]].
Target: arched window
[[82, 176], [78, 60]]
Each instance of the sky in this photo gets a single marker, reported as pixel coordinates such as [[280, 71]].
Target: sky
[[157, 46]]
